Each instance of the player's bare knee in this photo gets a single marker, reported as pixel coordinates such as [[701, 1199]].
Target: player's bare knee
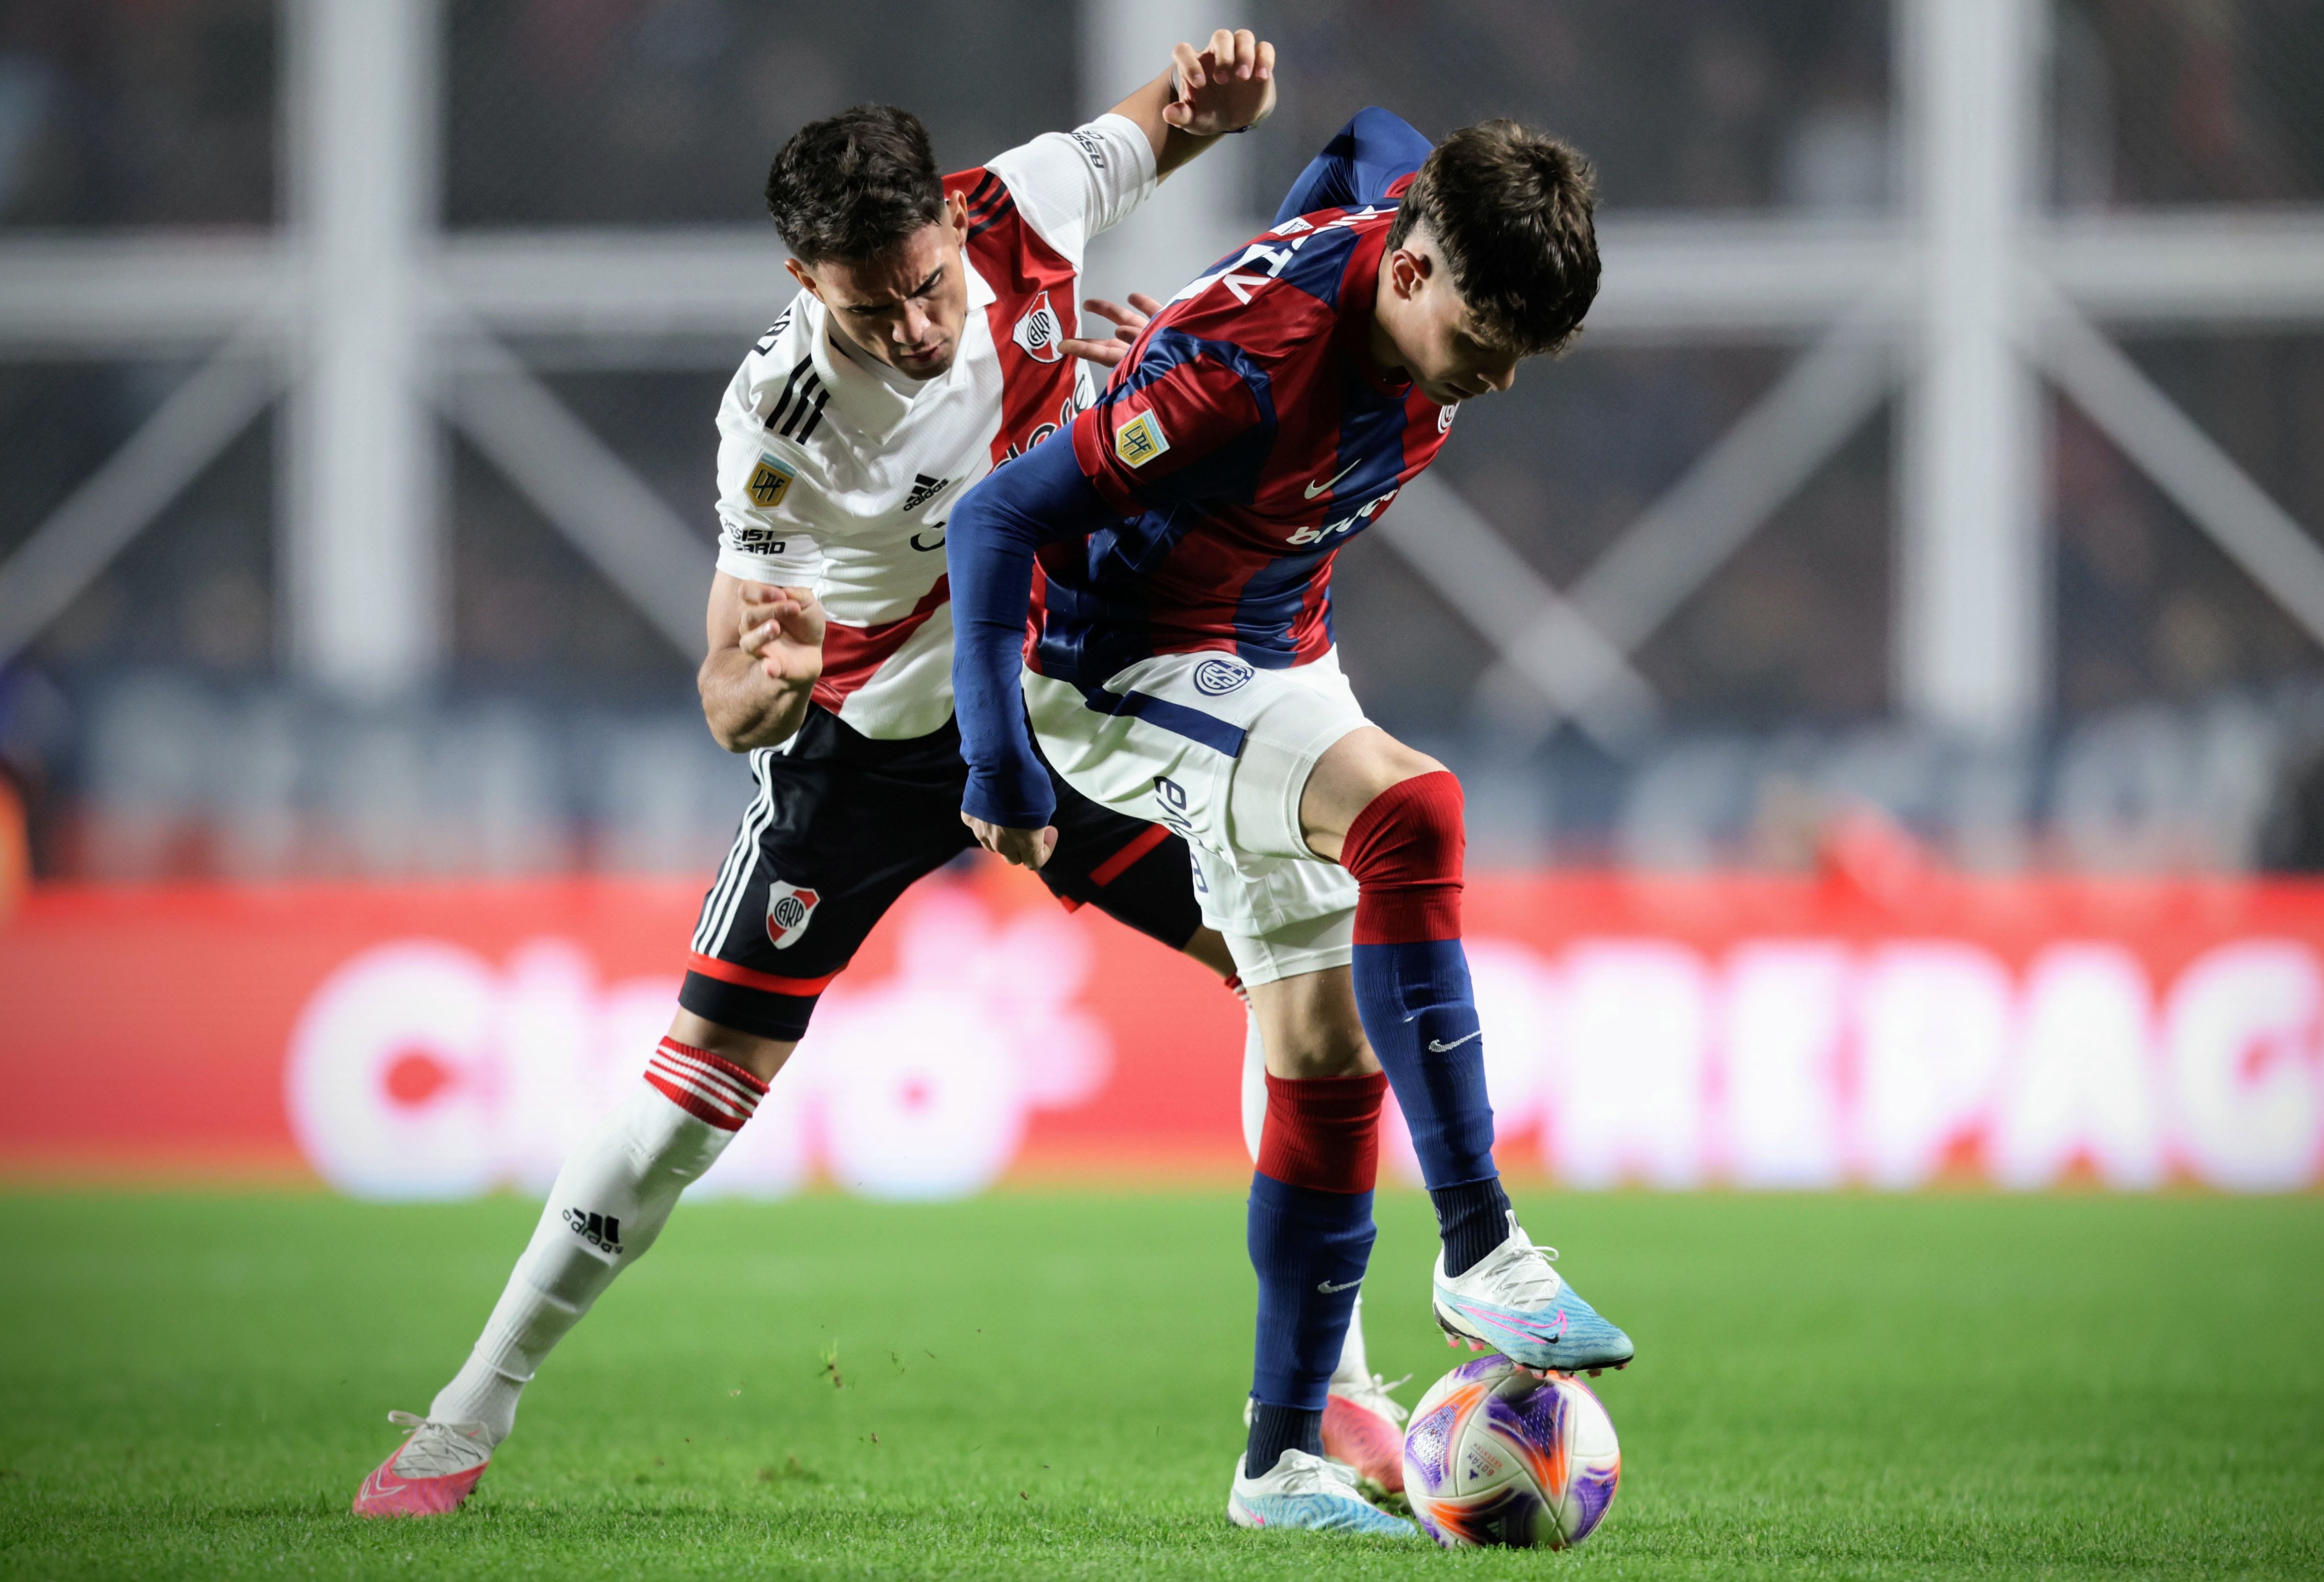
[[1310, 1026], [761, 1057], [1354, 772], [1316, 1052]]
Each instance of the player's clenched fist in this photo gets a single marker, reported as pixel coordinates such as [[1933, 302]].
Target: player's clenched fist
[[1230, 86], [1027, 848]]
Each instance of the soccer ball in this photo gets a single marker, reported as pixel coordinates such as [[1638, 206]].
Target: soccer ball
[[1497, 1456]]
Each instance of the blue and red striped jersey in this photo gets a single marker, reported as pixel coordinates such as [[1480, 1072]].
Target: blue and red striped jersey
[[1198, 505], [1248, 435]]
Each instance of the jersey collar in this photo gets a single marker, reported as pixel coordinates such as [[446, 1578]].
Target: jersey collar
[[979, 324], [865, 403]]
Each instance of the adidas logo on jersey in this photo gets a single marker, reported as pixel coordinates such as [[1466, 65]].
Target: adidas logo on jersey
[[1039, 333], [925, 489], [601, 1231]]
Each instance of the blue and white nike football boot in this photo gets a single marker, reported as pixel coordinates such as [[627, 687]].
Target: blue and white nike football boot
[[1513, 1302], [1311, 1495]]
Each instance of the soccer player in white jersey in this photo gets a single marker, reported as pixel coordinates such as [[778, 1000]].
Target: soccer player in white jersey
[[928, 345]]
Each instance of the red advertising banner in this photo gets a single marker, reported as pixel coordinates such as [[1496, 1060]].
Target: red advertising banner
[[438, 1039]]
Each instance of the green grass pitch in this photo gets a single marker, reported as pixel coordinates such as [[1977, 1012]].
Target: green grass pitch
[[1050, 1385]]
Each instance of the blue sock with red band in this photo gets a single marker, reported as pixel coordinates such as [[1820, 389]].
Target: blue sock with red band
[[1405, 851], [1311, 1235]]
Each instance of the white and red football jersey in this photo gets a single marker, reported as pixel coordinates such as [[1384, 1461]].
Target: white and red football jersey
[[838, 476]]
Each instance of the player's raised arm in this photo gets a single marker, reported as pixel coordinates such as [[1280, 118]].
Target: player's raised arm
[[990, 542], [1228, 86]]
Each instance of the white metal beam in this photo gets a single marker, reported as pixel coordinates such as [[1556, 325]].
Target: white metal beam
[[1667, 280], [115, 296], [2189, 466], [362, 479], [1577, 642], [671, 280], [1971, 617], [1201, 211], [1539, 638], [1693, 277], [99, 519], [1685, 536], [2210, 267], [586, 491]]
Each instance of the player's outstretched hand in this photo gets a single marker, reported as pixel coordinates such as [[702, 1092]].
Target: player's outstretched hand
[[1027, 848], [782, 629], [1229, 86], [1128, 324]]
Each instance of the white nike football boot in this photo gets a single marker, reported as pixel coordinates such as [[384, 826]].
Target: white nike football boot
[[1513, 1302], [1309, 1494], [1363, 1426], [1363, 1429], [430, 1473]]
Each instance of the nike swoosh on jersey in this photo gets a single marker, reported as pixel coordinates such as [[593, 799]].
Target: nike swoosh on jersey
[[1438, 1047], [1326, 486]]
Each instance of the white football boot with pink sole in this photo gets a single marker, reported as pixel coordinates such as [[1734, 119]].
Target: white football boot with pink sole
[[430, 1473], [1363, 1428]]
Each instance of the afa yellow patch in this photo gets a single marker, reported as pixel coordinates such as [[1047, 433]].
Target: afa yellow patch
[[1140, 440], [770, 480]]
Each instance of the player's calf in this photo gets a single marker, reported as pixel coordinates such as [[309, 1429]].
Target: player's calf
[[1311, 1235], [1405, 849], [608, 1205]]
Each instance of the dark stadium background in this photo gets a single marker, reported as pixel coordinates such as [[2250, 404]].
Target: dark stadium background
[[1884, 661], [1922, 533]]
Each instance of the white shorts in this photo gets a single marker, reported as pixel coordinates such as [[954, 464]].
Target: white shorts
[[1220, 752]]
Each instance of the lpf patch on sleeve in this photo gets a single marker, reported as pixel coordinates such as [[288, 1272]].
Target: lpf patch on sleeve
[[1140, 440], [770, 480]]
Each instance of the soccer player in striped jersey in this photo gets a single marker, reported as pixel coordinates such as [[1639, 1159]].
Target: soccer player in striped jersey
[[1163, 568], [930, 343]]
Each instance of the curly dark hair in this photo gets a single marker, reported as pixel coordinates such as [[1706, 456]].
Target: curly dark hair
[[852, 185], [1510, 209]]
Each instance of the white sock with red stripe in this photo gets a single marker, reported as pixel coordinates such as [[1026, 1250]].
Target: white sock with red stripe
[[610, 1202]]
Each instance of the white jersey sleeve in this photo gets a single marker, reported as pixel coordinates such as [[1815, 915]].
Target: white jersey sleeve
[[1073, 185], [762, 536]]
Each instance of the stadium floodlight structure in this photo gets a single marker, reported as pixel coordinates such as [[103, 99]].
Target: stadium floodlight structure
[[373, 321]]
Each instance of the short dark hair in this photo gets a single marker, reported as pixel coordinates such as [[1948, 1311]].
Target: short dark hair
[[1510, 209], [854, 184]]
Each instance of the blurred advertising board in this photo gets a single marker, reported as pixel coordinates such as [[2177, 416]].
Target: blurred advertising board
[[438, 1039]]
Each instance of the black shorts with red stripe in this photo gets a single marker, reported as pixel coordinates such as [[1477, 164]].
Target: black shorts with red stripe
[[842, 824]]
